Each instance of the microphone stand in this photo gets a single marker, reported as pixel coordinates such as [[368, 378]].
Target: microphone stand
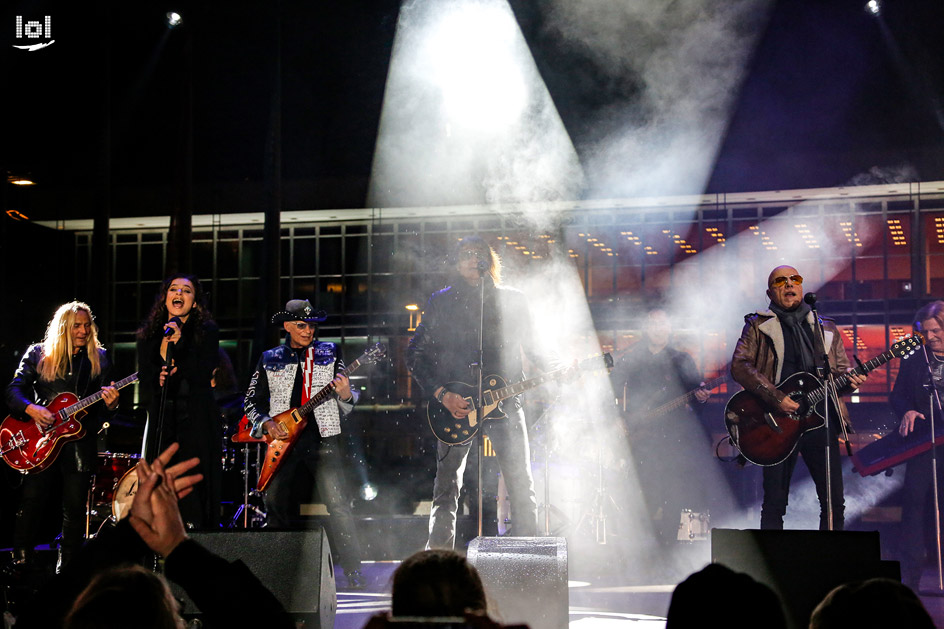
[[934, 402], [477, 366], [831, 397], [159, 434]]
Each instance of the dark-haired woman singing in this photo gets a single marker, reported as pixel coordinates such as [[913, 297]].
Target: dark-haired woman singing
[[180, 331]]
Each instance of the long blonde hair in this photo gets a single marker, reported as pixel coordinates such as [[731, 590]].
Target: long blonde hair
[[57, 344]]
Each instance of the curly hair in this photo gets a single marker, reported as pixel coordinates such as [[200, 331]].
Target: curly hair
[[153, 326]]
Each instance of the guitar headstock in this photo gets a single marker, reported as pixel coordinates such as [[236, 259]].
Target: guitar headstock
[[375, 354], [593, 363], [907, 346]]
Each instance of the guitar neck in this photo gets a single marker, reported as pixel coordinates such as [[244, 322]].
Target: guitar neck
[[688, 397], [497, 395], [95, 397], [819, 394], [318, 398]]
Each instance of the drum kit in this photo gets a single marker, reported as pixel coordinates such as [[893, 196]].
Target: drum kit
[[115, 483], [113, 487]]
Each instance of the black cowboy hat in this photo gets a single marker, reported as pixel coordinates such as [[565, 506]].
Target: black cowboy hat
[[299, 310]]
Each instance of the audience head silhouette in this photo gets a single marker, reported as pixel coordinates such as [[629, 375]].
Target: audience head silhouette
[[437, 583]]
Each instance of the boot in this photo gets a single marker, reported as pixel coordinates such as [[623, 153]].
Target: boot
[[65, 556]]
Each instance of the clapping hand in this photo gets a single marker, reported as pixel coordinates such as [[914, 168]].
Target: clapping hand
[[155, 515]]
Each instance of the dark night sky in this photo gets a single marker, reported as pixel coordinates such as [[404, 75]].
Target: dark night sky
[[826, 98]]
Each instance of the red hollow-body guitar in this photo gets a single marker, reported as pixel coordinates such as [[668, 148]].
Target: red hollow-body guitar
[[26, 447], [295, 420], [768, 436]]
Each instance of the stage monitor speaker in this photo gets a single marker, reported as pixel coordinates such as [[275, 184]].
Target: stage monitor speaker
[[802, 566], [525, 578], [296, 566]]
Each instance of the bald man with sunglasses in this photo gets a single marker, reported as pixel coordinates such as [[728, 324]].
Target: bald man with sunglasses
[[775, 344]]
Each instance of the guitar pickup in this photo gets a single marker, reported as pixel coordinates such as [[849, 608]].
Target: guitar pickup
[[769, 418]]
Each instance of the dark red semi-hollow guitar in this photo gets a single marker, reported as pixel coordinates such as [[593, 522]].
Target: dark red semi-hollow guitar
[[28, 448], [767, 436]]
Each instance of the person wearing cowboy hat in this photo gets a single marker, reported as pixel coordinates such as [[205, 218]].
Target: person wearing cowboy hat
[[286, 377]]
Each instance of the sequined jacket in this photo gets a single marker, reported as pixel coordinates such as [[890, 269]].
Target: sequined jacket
[[270, 389]]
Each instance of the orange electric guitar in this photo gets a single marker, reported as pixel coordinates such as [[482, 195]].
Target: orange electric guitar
[[26, 447], [295, 420]]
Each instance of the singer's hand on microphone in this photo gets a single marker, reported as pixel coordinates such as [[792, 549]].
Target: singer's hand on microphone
[[172, 330]]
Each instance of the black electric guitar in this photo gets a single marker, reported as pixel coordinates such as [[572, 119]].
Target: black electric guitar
[[767, 436], [452, 430]]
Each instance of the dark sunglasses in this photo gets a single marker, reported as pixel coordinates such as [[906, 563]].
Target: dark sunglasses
[[782, 280]]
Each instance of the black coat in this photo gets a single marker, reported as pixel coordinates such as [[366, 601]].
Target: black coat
[[28, 388]]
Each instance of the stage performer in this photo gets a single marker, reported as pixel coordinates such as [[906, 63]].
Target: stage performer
[[181, 328], [912, 403], [70, 359], [443, 349], [286, 377], [774, 345], [670, 449]]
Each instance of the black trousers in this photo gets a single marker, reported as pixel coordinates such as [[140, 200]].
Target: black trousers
[[777, 481], [35, 493], [917, 508], [322, 458]]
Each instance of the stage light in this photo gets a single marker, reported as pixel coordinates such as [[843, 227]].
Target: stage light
[[412, 307], [19, 180], [473, 54], [173, 19], [874, 7], [368, 491]]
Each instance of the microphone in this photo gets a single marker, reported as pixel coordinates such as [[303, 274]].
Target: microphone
[[482, 266], [810, 299], [170, 331]]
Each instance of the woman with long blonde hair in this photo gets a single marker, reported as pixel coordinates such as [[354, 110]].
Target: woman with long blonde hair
[[70, 359]]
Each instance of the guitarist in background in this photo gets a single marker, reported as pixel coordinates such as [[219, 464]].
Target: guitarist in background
[[666, 449], [774, 345], [442, 350], [70, 359], [910, 401], [285, 378]]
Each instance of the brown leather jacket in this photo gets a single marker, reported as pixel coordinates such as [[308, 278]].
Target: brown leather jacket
[[757, 362]]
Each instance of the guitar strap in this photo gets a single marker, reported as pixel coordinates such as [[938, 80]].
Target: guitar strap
[[308, 374]]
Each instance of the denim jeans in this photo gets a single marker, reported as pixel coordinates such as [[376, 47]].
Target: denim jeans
[[509, 437]]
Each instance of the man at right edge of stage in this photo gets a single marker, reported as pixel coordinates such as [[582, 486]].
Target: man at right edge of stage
[[912, 403], [774, 345]]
